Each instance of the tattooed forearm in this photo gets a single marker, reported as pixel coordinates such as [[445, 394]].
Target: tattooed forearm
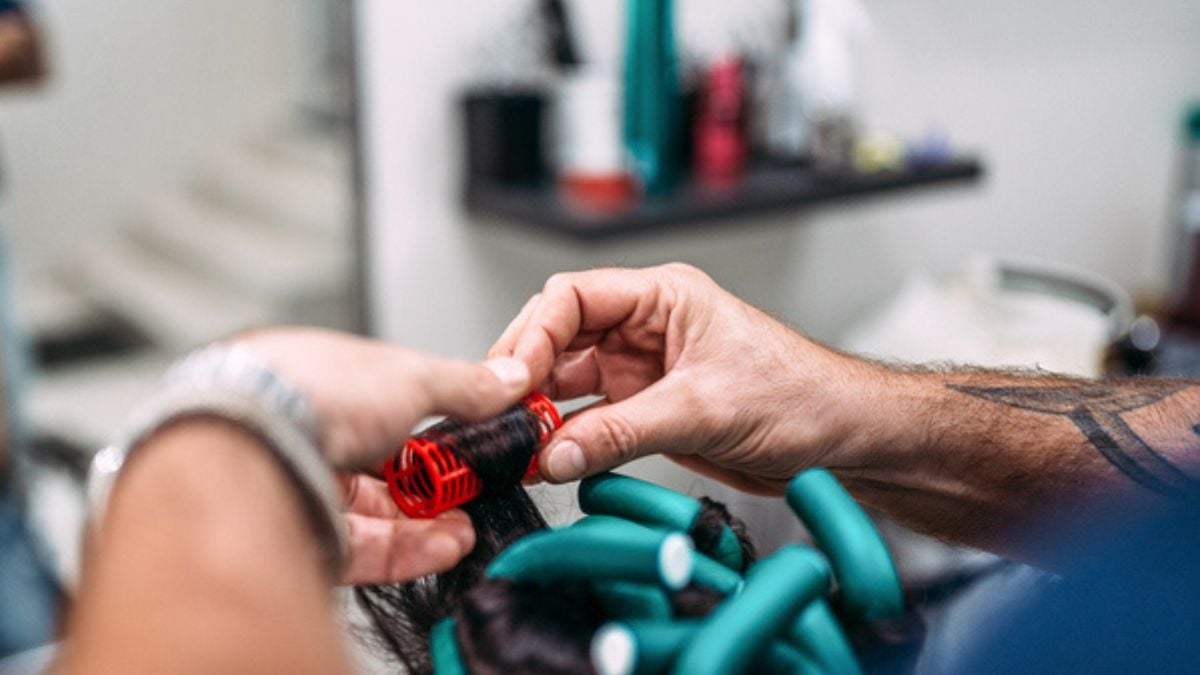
[[1097, 409]]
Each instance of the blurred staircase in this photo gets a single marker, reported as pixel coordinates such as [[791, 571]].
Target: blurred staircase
[[261, 235]]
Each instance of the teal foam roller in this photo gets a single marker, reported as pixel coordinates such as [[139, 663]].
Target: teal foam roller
[[707, 573], [616, 495], [629, 600], [647, 647], [594, 554], [817, 634], [711, 574], [739, 629], [443, 649], [601, 521], [866, 575]]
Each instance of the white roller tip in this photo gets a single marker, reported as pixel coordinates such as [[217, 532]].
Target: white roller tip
[[676, 560], [613, 650]]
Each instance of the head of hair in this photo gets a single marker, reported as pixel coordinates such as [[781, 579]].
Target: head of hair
[[501, 626]]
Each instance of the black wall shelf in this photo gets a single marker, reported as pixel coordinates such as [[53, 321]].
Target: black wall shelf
[[762, 190]]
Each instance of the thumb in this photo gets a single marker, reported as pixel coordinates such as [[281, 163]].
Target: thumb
[[605, 436]]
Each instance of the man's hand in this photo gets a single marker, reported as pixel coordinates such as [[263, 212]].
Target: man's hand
[[686, 369], [998, 460]]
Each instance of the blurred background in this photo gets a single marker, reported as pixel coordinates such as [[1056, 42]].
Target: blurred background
[[1005, 184], [972, 182]]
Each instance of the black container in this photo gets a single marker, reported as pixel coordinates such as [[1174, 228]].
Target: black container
[[504, 137]]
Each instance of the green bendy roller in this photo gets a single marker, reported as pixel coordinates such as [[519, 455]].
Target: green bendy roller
[[599, 553], [443, 649], [708, 573], [614, 522], [739, 629], [647, 647], [817, 634], [616, 495], [870, 587], [629, 600]]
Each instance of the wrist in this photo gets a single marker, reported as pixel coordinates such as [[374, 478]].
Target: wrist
[[208, 476], [882, 416], [234, 385]]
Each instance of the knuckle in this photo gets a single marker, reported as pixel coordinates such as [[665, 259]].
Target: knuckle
[[558, 283], [481, 386], [686, 271], [621, 436]]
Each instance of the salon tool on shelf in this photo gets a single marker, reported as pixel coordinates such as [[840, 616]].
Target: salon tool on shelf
[[434, 472], [651, 103]]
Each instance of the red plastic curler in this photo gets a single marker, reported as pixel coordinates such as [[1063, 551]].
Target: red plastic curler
[[426, 477]]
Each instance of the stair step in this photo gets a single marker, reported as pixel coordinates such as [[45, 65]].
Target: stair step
[[325, 150], [176, 309], [86, 405], [48, 311], [236, 251], [287, 194]]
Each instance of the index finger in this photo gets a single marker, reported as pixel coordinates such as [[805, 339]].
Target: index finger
[[575, 303]]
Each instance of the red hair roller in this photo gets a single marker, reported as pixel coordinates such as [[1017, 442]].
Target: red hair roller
[[427, 477]]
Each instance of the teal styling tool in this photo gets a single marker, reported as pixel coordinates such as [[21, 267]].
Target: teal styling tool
[[740, 628], [646, 647], [707, 573], [711, 574], [443, 649], [870, 587], [593, 554], [817, 634], [652, 102], [616, 495], [629, 600]]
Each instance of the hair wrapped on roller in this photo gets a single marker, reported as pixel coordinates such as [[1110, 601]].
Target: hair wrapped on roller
[[501, 625]]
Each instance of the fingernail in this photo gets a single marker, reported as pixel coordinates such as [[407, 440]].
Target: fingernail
[[510, 371], [566, 461]]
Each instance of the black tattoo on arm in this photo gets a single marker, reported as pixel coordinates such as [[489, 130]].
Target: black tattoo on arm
[[1096, 409]]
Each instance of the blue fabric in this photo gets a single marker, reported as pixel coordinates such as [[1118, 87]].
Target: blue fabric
[[9, 5], [28, 595], [1128, 601]]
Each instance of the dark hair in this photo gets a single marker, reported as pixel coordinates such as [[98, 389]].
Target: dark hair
[[511, 627], [504, 626]]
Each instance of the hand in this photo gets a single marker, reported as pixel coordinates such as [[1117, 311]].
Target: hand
[[387, 547], [369, 396], [685, 369]]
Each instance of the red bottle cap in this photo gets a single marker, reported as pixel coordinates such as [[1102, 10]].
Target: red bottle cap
[[426, 478]]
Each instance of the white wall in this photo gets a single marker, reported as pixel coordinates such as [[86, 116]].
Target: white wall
[[139, 91], [1074, 105]]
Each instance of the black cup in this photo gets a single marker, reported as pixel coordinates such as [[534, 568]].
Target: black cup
[[504, 137]]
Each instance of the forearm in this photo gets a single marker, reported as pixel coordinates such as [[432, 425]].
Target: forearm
[[205, 563], [996, 459]]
